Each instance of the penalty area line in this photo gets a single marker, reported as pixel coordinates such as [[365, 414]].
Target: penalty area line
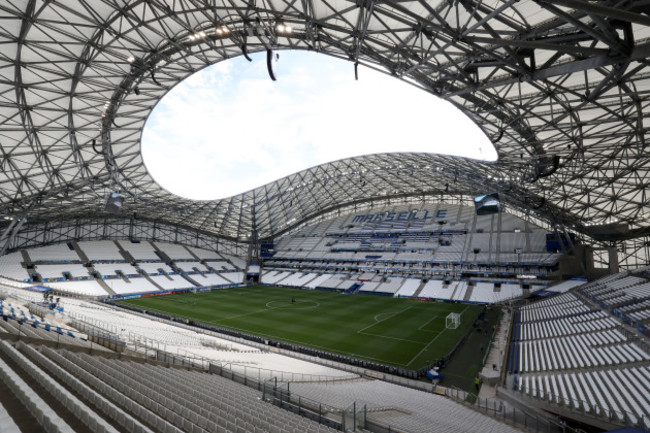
[[429, 321], [430, 342], [382, 320]]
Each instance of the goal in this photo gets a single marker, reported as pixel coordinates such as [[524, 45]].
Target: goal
[[452, 321]]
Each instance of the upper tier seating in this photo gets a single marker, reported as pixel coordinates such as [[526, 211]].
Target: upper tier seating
[[139, 250], [237, 262], [59, 253], [348, 237], [205, 254], [443, 241], [10, 267], [174, 251], [100, 250]]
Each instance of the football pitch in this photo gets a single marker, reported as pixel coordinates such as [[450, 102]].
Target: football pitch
[[406, 333]]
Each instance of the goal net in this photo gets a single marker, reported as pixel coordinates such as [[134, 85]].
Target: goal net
[[452, 321]]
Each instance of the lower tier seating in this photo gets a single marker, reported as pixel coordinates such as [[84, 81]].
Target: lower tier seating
[[73, 392]]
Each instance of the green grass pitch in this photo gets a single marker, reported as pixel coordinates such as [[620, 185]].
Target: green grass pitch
[[400, 332]]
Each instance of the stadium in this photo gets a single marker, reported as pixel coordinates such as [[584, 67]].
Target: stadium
[[389, 292]]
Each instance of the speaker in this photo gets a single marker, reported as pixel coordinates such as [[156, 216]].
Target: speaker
[[114, 203]]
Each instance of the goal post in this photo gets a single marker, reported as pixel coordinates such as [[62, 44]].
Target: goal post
[[452, 321]]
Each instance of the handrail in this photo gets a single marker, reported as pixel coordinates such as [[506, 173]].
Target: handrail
[[571, 403], [511, 415]]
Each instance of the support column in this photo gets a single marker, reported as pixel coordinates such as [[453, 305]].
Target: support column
[[613, 259]]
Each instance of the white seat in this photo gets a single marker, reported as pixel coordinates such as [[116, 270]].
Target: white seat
[[618, 407], [626, 386], [557, 393]]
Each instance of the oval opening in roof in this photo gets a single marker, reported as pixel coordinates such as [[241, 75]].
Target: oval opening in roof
[[229, 128]]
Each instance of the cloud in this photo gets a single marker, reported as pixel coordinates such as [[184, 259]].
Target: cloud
[[229, 128]]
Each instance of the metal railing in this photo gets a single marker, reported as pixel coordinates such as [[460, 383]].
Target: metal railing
[[278, 393], [498, 410], [589, 409], [99, 336], [54, 333], [282, 376]]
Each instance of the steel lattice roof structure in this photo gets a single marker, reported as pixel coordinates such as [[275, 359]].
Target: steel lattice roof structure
[[559, 86]]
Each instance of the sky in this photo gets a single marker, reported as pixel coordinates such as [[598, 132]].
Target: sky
[[229, 128]]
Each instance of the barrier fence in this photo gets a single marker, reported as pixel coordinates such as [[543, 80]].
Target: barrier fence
[[573, 405], [510, 414], [277, 393]]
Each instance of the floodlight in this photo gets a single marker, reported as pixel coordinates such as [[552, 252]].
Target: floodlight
[[283, 28]]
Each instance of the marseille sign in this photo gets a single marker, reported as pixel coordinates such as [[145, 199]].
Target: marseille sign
[[413, 215]]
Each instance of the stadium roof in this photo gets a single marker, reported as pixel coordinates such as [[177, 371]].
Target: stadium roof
[[559, 86]]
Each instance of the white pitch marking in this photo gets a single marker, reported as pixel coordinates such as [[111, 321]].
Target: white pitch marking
[[434, 339], [382, 320]]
